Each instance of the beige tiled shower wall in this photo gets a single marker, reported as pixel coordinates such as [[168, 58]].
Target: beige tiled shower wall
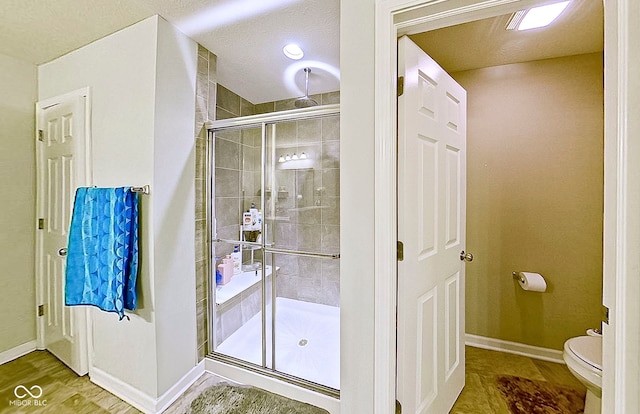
[[237, 170], [205, 110]]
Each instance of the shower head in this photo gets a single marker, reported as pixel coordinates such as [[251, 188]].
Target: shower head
[[305, 101]]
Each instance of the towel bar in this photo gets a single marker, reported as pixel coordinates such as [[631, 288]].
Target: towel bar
[[143, 190]]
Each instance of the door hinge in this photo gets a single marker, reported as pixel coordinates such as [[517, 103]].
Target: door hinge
[[400, 85], [400, 251], [40, 310], [605, 315], [41, 224], [40, 135]]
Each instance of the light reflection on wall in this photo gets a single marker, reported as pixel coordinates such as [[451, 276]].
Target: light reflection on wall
[[228, 12]]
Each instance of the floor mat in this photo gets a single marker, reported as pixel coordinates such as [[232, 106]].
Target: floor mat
[[525, 396], [230, 399]]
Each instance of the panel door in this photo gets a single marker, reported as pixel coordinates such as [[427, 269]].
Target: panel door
[[431, 224], [61, 172]]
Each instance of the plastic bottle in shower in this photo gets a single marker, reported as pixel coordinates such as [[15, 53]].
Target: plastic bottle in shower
[[218, 271], [226, 270], [237, 260]]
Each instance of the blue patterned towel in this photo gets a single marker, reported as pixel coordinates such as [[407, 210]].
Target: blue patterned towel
[[102, 256]]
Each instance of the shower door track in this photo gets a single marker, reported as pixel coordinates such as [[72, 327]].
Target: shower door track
[[273, 117], [261, 120], [291, 379]]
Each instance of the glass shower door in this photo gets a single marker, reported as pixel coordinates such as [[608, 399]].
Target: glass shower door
[[303, 228], [239, 292], [277, 202]]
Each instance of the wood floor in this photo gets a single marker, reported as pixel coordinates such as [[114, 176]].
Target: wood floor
[[65, 392], [62, 390]]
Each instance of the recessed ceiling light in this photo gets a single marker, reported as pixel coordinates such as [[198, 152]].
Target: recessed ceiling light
[[536, 17], [293, 51]]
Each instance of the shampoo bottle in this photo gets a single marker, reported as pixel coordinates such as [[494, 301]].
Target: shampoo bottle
[[237, 260], [255, 225]]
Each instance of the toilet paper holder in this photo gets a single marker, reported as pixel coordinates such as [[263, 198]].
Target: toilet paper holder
[[517, 276]]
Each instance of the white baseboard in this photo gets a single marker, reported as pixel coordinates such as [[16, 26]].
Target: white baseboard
[[139, 399], [122, 390], [17, 352], [530, 351], [179, 387]]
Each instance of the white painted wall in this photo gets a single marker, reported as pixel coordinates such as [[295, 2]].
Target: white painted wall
[[174, 205], [357, 213], [120, 70], [142, 82], [621, 372], [18, 89]]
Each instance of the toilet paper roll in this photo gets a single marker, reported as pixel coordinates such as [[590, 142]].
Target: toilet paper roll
[[533, 282]]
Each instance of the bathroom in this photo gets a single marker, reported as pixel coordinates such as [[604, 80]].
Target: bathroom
[[506, 187], [535, 178], [534, 188], [507, 313]]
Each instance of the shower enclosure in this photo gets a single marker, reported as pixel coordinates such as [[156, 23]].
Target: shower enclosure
[[275, 201]]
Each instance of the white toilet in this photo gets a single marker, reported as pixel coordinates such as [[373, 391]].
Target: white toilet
[[583, 356]]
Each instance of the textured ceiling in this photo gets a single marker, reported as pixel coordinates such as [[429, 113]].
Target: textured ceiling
[[483, 43], [248, 35], [38, 31]]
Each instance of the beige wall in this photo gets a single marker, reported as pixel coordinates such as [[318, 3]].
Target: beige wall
[[18, 89], [534, 198]]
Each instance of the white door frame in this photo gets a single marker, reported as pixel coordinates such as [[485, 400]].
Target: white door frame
[[84, 156], [622, 185]]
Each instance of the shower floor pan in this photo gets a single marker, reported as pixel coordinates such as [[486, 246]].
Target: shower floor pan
[[307, 341]]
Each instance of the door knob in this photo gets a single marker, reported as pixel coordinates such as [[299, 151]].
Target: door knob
[[466, 256], [62, 252]]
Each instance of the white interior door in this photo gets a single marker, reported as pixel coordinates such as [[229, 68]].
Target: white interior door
[[431, 224], [61, 170]]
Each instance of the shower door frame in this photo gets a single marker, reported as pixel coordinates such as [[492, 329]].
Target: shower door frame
[[257, 121]]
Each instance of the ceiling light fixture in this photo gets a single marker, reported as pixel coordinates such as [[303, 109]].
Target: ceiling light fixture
[[536, 17], [293, 51]]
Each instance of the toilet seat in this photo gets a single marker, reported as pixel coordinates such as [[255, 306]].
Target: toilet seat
[[587, 349], [583, 356]]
